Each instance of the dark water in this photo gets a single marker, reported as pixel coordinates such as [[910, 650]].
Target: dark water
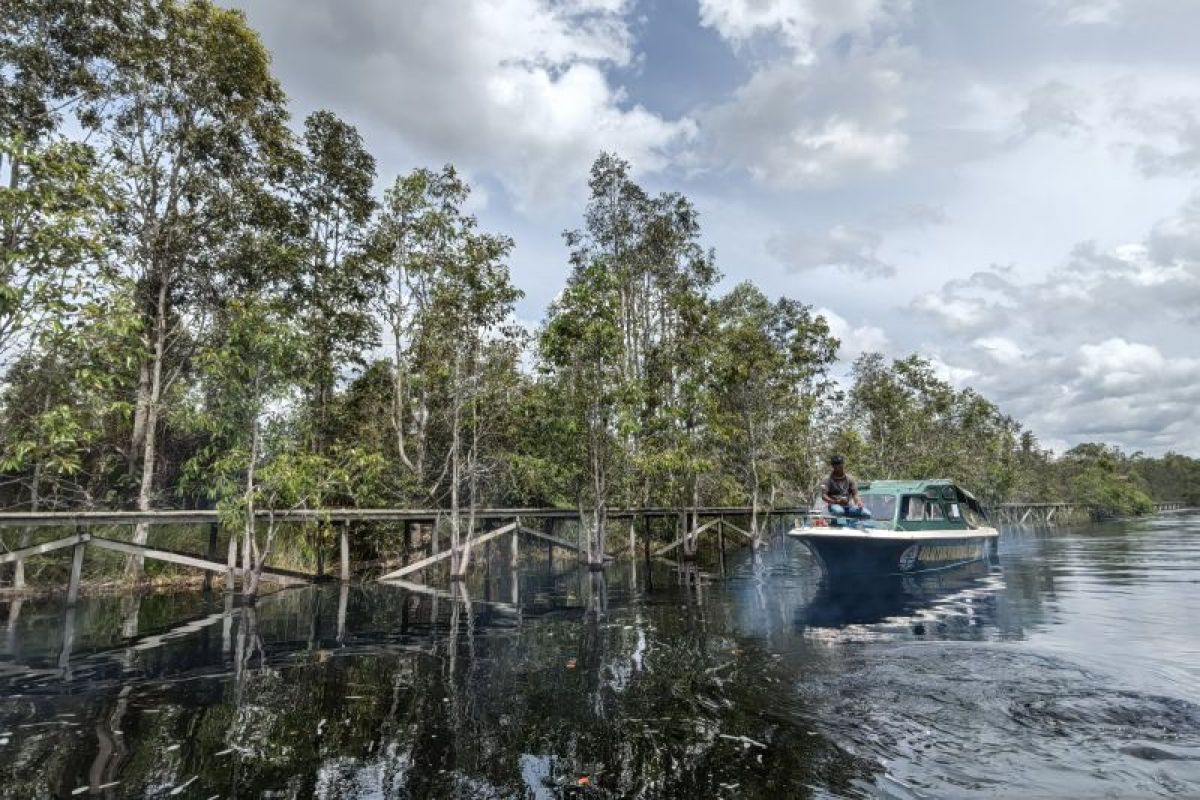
[[1071, 668]]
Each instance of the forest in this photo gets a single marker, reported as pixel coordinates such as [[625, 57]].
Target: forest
[[206, 303]]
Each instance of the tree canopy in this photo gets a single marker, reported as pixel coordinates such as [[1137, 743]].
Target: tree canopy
[[200, 304]]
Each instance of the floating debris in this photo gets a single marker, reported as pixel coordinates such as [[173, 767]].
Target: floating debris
[[571, 663], [321, 726], [172, 747], [80, 790], [179, 789], [224, 752], [108, 785], [745, 740]]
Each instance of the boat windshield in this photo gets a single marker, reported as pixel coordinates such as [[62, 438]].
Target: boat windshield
[[881, 506]]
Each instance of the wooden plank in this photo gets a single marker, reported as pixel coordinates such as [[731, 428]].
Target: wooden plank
[[285, 577], [191, 516], [563, 543], [677, 542], [742, 531], [554, 540], [44, 547], [436, 557]]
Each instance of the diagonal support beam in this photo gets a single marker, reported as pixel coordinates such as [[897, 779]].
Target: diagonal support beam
[[668, 548], [436, 557], [742, 531], [286, 578], [45, 547], [563, 543]]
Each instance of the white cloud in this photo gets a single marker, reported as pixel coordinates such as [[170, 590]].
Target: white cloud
[[1001, 350], [516, 88], [1054, 107], [1085, 12], [803, 26], [1102, 347], [851, 249], [807, 126], [855, 340]]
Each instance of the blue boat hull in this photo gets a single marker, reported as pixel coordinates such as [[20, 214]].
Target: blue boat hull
[[859, 556]]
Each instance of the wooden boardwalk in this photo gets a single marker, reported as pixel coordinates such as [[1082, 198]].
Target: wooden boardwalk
[[85, 524], [495, 523], [1050, 514]]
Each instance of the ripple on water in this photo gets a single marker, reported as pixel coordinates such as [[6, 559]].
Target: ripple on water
[[960, 719]]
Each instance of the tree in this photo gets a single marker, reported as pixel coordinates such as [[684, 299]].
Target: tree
[[768, 375], [336, 280], [53, 236], [419, 226], [625, 344], [902, 421], [62, 405], [192, 115], [51, 59], [246, 368]]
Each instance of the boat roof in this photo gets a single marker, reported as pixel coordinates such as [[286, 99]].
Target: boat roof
[[902, 487]]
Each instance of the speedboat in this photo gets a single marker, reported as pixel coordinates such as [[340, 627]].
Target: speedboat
[[914, 526]]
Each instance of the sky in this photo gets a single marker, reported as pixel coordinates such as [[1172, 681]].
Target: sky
[[1009, 189]]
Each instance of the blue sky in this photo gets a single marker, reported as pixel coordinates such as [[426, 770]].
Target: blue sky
[[1008, 188]]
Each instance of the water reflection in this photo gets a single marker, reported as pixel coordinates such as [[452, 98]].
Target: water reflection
[[643, 680]]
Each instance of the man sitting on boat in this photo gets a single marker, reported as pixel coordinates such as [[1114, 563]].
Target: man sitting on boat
[[840, 492]]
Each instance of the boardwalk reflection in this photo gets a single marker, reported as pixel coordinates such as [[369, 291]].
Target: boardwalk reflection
[[543, 681]]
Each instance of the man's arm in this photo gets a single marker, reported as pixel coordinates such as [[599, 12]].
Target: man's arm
[[854, 498], [825, 493]]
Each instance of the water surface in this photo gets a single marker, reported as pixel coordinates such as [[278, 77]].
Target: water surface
[[1068, 668]]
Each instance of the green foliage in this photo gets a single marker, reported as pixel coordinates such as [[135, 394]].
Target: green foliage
[[902, 421], [1103, 478], [767, 379], [192, 299]]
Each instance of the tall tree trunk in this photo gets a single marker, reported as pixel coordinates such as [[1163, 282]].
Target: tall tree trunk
[[756, 539], [472, 481], [455, 470], [27, 533], [141, 409], [135, 564], [249, 583], [398, 389]]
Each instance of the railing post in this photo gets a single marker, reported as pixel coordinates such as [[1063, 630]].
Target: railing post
[[212, 553], [345, 552], [76, 567]]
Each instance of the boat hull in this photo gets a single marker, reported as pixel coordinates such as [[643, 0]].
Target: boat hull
[[894, 553]]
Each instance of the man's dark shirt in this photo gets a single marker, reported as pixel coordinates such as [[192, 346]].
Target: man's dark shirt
[[844, 487]]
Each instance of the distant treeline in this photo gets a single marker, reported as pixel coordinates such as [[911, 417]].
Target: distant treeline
[[200, 306]]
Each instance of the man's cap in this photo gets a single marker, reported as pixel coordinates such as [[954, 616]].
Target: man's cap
[[837, 461]]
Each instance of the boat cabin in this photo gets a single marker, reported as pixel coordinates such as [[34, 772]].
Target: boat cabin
[[922, 505]]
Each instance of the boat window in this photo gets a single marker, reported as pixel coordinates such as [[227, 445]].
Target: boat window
[[881, 506], [954, 512], [914, 508], [933, 511]]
